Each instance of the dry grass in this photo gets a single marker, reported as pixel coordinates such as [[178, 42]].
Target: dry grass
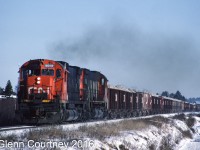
[[190, 121], [53, 132], [123, 147], [181, 117], [102, 131], [152, 147], [106, 130], [97, 131], [187, 134], [133, 124], [166, 144], [158, 121], [10, 138]]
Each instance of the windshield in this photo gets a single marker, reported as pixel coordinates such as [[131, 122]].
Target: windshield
[[48, 72], [30, 72]]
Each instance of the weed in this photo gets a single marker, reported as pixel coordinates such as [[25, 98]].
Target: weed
[[122, 147], [190, 121], [152, 147], [181, 117], [165, 144], [187, 134]]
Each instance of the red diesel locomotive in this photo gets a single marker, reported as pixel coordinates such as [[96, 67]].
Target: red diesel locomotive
[[54, 91]]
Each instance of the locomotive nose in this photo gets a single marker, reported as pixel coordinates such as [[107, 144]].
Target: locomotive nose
[[40, 89]]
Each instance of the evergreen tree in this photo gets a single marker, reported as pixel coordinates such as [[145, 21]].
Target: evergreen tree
[[178, 95], [172, 95], [1, 90], [8, 88], [165, 93]]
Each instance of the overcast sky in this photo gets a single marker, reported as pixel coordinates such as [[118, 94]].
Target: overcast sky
[[145, 44]]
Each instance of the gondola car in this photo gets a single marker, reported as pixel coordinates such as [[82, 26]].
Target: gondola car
[[157, 104], [146, 103], [186, 106], [197, 106], [122, 102], [167, 107]]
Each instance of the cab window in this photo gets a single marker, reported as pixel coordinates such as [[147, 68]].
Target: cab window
[[58, 73], [35, 72], [47, 72], [24, 74], [102, 81], [30, 72]]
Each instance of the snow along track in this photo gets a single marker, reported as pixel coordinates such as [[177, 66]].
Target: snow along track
[[16, 128], [75, 125]]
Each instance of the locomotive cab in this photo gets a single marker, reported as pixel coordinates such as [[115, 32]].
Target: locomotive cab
[[42, 88]]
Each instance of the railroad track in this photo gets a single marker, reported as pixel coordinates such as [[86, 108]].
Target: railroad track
[[21, 127], [16, 128]]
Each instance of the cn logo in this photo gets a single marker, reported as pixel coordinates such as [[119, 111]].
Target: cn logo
[[37, 90]]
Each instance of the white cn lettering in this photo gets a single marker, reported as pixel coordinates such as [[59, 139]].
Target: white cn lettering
[[31, 88], [40, 89]]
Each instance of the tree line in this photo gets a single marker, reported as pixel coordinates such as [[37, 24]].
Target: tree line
[[176, 95], [8, 90]]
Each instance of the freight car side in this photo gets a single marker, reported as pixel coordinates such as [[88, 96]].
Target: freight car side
[[147, 104], [121, 102], [157, 105], [197, 106]]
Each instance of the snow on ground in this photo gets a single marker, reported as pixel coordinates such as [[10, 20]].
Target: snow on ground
[[169, 135], [164, 134], [150, 138], [192, 144]]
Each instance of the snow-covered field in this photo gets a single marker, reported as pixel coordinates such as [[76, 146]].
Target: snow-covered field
[[167, 136], [153, 132], [192, 144]]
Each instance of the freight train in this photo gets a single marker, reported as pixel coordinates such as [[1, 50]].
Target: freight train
[[54, 92]]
